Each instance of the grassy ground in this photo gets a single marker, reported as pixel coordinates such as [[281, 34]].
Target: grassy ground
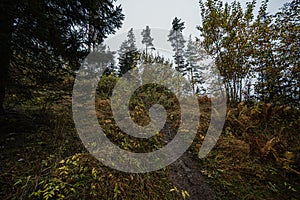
[[42, 158], [257, 157]]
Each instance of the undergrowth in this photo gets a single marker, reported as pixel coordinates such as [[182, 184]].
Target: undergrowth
[[43, 158], [258, 155]]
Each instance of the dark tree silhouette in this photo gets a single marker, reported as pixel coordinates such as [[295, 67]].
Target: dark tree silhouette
[[42, 35]]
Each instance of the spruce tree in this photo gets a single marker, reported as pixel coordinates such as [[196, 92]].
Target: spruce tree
[[147, 39], [178, 43], [40, 37], [128, 53]]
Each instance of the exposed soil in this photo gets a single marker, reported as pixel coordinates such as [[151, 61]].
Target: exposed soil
[[185, 175]]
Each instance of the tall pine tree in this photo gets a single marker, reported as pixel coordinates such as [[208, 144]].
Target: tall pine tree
[[128, 54], [147, 39], [178, 43]]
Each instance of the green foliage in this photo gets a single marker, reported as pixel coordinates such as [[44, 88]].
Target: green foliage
[[254, 54], [227, 37], [44, 159], [287, 27], [128, 54], [139, 105], [82, 177], [258, 156], [106, 86], [55, 165], [58, 35], [265, 56], [48, 27]]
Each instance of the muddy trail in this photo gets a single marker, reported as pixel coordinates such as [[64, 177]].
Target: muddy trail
[[185, 175]]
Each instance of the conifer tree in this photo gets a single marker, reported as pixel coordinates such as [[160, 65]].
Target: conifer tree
[[128, 53], [178, 43], [287, 27], [147, 39], [40, 37]]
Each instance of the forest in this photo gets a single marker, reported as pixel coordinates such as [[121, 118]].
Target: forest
[[218, 119]]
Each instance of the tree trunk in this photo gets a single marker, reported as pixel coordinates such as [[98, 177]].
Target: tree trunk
[[6, 24]]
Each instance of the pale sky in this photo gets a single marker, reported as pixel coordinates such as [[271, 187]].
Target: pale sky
[[160, 13]]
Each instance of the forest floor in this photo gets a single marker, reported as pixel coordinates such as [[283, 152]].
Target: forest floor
[[185, 175], [257, 157]]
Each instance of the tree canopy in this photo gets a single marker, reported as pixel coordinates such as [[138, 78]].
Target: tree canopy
[[43, 35], [256, 56]]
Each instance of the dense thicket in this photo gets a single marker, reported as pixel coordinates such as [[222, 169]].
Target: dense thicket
[[40, 36], [257, 56]]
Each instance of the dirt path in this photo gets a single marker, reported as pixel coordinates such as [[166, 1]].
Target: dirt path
[[185, 172], [185, 175]]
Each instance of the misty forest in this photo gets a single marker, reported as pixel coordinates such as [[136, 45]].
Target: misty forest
[[249, 54]]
